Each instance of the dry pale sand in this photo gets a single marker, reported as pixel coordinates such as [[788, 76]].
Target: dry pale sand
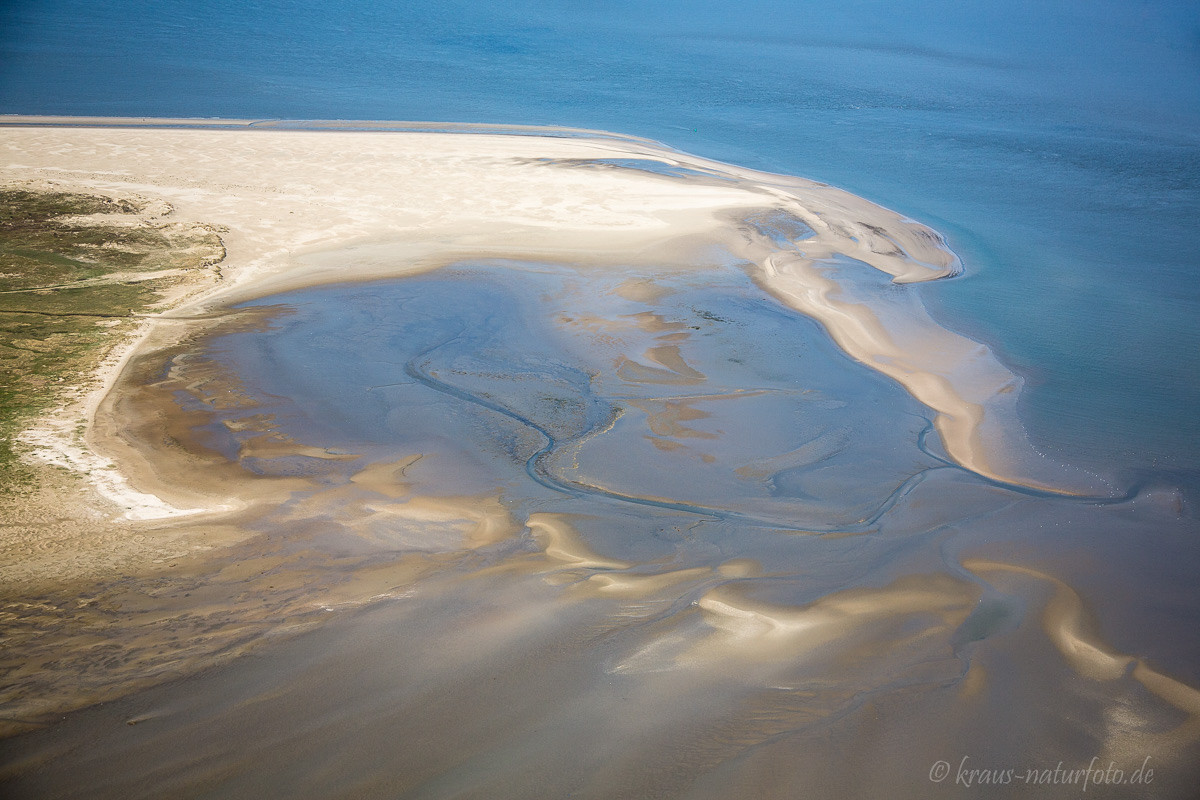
[[307, 207]]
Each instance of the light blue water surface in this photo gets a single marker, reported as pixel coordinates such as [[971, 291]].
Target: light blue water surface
[[1055, 143]]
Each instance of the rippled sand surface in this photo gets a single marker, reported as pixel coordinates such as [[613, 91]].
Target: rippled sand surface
[[612, 524]]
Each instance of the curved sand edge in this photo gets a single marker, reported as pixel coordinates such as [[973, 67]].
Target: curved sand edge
[[309, 207]]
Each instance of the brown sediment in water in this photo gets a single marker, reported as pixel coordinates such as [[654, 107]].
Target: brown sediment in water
[[1073, 631]]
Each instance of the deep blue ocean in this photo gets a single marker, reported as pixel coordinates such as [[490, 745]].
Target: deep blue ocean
[[1055, 143]]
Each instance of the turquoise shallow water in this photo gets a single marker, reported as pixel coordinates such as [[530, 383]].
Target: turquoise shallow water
[[1054, 143]]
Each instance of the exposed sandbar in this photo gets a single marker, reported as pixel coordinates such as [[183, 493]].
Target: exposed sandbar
[[299, 208]]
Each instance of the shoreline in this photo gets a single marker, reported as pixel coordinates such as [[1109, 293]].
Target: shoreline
[[403, 201], [390, 126]]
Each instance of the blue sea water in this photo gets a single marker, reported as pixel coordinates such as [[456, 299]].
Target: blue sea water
[[1055, 143]]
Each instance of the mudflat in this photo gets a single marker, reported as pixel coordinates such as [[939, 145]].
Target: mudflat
[[506, 465]]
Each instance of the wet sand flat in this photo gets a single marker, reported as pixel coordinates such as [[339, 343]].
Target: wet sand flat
[[513, 466]]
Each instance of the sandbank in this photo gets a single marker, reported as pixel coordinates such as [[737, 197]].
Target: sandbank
[[299, 208]]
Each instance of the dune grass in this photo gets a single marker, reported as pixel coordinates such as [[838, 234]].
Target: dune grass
[[76, 271]]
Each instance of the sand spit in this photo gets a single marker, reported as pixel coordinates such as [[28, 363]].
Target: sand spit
[[305, 207]]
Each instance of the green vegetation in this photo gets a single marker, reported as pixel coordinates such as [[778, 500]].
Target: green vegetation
[[75, 270]]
